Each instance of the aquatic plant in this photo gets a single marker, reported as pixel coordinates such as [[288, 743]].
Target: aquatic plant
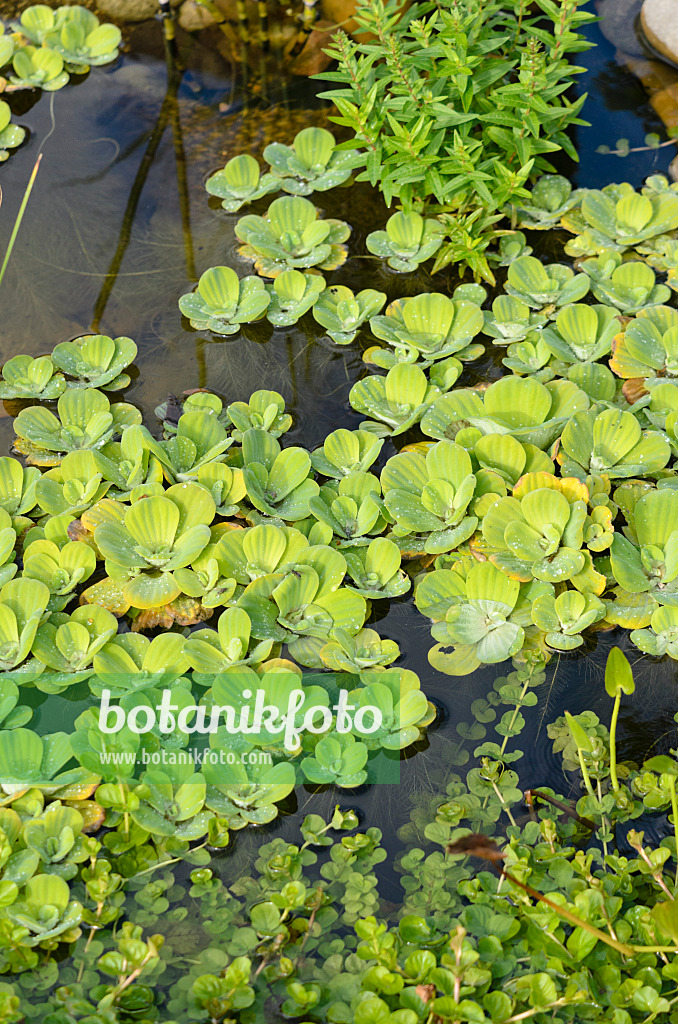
[[611, 442], [648, 346], [278, 481], [292, 294], [529, 358], [81, 40], [38, 68], [545, 287], [265, 410], [661, 635], [351, 508], [581, 333], [223, 301], [292, 236], [144, 543], [11, 135], [25, 377], [345, 451], [240, 182], [375, 569], [429, 496], [630, 286], [210, 651], [643, 561], [306, 602], [339, 760], [61, 569], [342, 313], [434, 141], [618, 217], [532, 412], [504, 456], [565, 617], [477, 611], [551, 197], [85, 420], [538, 534], [17, 487], [408, 240], [22, 606], [313, 163], [66, 644], [510, 320], [394, 402], [128, 465], [95, 361], [427, 327], [200, 440]]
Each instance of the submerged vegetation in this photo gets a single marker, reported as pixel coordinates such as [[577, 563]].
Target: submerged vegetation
[[154, 577]]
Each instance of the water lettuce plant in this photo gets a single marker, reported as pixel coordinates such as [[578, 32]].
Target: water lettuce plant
[[223, 301], [545, 287], [26, 377], [200, 440], [538, 536], [95, 361], [647, 346], [313, 163], [240, 182], [344, 451], [617, 217], [292, 236], [563, 618], [375, 569], [38, 68], [427, 327], [643, 561], [342, 313], [81, 40], [551, 197], [477, 611], [394, 402], [85, 420], [629, 286], [265, 410], [11, 135], [510, 320], [143, 543], [611, 442], [532, 412], [429, 496], [409, 239], [351, 508], [581, 333], [277, 480], [292, 294]]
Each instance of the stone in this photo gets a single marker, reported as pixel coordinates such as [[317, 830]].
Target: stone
[[128, 10], [193, 16], [660, 25], [617, 23]]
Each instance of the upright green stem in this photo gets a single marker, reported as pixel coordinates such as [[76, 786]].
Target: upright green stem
[[613, 743], [19, 217], [585, 774], [674, 811]]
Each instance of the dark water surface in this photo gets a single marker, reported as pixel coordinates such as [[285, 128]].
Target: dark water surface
[[57, 288]]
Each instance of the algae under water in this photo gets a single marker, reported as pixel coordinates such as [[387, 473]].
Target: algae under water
[[59, 285]]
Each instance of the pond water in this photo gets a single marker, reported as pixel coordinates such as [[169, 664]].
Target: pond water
[[98, 137]]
